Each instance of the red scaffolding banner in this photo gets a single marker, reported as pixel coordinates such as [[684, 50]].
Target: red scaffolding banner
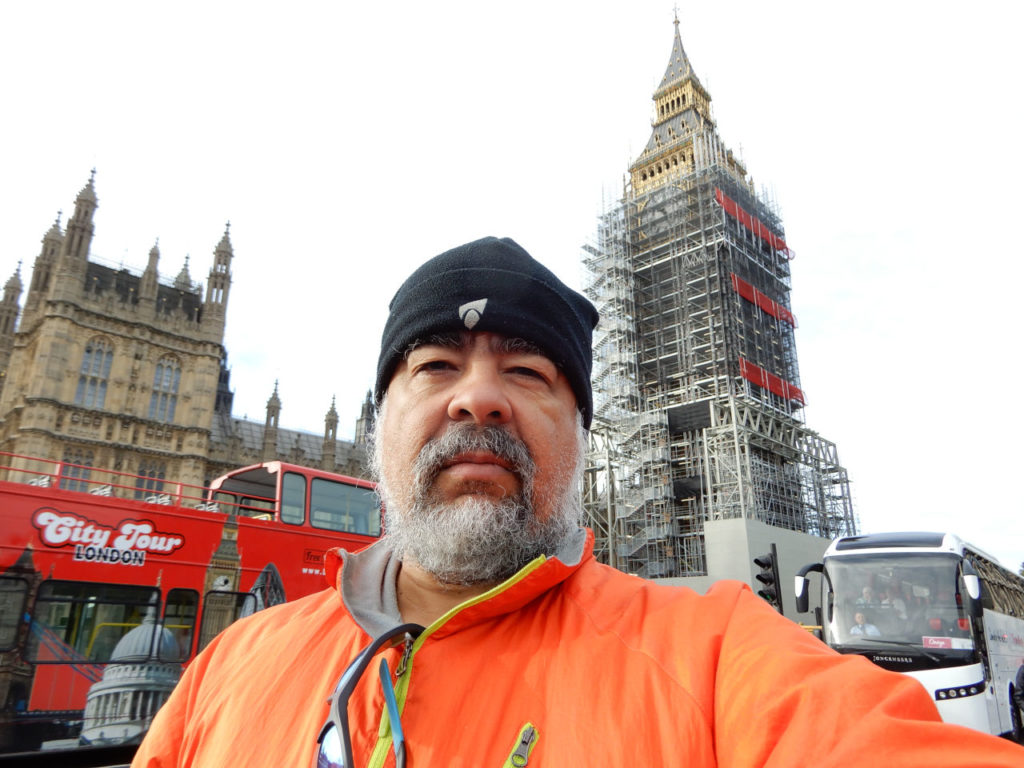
[[775, 384], [754, 296], [752, 223]]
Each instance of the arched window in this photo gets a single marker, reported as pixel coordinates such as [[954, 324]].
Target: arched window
[[149, 478], [93, 375], [164, 399], [75, 469]]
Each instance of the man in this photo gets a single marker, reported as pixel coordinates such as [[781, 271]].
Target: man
[[867, 596], [532, 652], [862, 627]]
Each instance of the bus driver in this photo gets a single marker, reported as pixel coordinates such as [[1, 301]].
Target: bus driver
[[493, 636]]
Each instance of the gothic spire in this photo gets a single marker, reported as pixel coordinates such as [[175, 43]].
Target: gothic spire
[[13, 284], [682, 111], [183, 281], [679, 67], [55, 232], [88, 192], [270, 429], [148, 285], [78, 238], [219, 282]]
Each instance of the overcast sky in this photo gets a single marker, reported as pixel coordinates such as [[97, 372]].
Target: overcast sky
[[346, 143]]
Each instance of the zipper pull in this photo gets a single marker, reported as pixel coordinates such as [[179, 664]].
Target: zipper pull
[[406, 653], [521, 755]]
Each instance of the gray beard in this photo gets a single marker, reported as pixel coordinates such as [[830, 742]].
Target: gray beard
[[477, 539]]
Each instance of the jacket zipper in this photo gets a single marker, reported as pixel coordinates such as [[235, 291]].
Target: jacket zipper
[[383, 747], [521, 755], [406, 653]]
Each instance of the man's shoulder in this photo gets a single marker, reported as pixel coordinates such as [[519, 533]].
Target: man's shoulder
[[726, 589], [671, 628], [617, 593]]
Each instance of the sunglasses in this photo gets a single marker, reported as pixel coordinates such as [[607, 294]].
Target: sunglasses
[[334, 744]]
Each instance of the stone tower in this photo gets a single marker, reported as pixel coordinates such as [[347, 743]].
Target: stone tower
[[698, 405], [9, 321], [328, 458], [271, 426], [110, 369]]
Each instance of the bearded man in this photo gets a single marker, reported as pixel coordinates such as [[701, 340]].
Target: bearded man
[[480, 631]]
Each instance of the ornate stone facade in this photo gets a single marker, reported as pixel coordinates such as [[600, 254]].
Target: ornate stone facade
[[109, 369]]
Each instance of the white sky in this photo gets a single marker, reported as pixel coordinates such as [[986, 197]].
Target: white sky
[[346, 143]]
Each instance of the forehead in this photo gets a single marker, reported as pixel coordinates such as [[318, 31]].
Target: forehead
[[463, 339]]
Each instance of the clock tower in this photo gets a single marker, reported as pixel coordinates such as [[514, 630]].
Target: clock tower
[[223, 573], [699, 457]]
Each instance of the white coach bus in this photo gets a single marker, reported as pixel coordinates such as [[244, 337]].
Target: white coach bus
[[933, 607]]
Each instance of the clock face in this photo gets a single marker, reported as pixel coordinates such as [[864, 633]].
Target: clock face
[[222, 582]]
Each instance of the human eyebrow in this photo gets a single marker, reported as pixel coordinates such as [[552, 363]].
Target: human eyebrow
[[451, 340], [515, 345]]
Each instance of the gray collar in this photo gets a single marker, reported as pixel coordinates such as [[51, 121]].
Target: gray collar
[[369, 580]]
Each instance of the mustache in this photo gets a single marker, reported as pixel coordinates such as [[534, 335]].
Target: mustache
[[467, 438]]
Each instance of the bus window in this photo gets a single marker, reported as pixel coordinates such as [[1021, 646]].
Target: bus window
[[221, 609], [341, 507], [250, 506], [83, 621], [257, 507], [180, 612], [13, 592], [293, 498], [227, 501]]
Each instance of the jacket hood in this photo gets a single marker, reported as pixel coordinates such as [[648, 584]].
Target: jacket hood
[[366, 582]]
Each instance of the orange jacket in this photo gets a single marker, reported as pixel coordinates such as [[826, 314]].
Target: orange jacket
[[609, 669]]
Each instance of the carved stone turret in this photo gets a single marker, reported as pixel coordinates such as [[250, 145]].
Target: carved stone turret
[[150, 278], [9, 309], [329, 459], [364, 424], [219, 283], [270, 428], [74, 253], [43, 270]]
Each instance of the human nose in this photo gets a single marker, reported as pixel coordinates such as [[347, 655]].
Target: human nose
[[480, 397]]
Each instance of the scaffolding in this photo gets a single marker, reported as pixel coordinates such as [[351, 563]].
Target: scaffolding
[[698, 405]]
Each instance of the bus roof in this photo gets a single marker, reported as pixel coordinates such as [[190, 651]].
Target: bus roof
[[914, 539], [258, 473], [921, 541]]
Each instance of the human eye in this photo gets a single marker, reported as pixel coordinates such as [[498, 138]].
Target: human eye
[[436, 365], [432, 359], [532, 367], [525, 370], [433, 365]]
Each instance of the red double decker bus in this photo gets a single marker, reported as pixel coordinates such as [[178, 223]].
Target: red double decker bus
[[111, 583]]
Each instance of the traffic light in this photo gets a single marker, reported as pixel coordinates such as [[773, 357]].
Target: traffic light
[[769, 577]]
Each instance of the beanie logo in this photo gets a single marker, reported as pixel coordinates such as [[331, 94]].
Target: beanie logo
[[470, 312]]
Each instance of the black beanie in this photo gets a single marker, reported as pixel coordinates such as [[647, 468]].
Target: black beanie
[[492, 285]]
